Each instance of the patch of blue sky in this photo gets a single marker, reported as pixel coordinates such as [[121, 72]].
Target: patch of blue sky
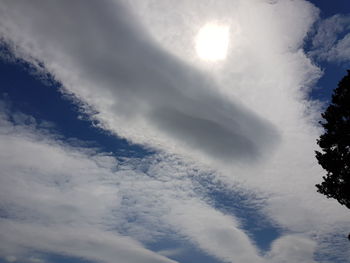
[[330, 8], [328, 82]]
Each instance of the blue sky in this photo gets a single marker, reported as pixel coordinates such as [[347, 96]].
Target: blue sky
[[119, 143]]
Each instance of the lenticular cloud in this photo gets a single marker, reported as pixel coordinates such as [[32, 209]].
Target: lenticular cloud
[[140, 90]]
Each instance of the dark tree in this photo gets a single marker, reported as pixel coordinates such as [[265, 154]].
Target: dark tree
[[335, 145]]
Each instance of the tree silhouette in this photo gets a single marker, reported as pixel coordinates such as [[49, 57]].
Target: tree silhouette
[[335, 145]]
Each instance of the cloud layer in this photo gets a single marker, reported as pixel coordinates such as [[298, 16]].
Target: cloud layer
[[134, 64], [81, 203], [120, 71]]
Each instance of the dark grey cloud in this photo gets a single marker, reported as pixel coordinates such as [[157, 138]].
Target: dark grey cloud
[[110, 56]]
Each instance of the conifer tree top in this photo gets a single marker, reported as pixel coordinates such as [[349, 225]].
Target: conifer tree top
[[335, 145]]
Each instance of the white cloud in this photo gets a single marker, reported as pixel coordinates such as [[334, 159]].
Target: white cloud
[[57, 199], [67, 200], [213, 232], [332, 39], [148, 86], [341, 51], [292, 249], [92, 244]]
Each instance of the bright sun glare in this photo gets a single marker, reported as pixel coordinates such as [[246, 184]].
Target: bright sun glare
[[212, 42]]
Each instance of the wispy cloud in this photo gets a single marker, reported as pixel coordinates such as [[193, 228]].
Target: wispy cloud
[[78, 202], [58, 200], [332, 39]]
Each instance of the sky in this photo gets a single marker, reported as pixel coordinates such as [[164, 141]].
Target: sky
[[168, 131]]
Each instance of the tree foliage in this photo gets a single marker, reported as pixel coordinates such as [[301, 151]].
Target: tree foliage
[[335, 145]]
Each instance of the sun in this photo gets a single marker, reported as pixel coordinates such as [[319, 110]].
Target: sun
[[212, 41]]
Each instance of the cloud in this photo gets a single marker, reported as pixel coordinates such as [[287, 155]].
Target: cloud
[[56, 200], [75, 241], [292, 249], [77, 202], [332, 40], [171, 252], [213, 232], [120, 71], [141, 75]]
